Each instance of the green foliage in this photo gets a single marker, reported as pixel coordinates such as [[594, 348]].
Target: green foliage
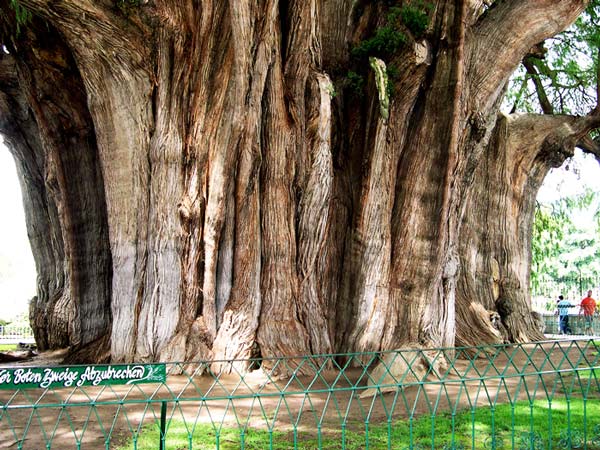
[[415, 18], [563, 247], [22, 14], [22, 319], [330, 88], [355, 82], [126, 6], [550, 224], [566, 72], [391, 37], [386, 41], [393, 74]]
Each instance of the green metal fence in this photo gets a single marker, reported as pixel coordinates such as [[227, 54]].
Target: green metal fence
[[570, 287], [577, 325], [16, 333], [545, 291], [543, 395]]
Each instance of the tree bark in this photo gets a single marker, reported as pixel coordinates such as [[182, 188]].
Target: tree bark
[[238, 198], [496, 258], [52, 137]]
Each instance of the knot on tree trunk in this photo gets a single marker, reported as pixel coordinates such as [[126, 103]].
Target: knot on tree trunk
[[559, 145], [190, 210]]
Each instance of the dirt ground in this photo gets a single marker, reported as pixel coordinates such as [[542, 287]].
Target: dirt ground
[[105, 417]]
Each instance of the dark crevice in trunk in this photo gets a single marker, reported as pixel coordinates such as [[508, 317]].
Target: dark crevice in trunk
[[284, 28]]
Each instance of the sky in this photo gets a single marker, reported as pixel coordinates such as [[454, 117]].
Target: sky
[[17, 269], [571, 179]]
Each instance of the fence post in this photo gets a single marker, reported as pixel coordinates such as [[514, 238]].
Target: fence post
[[163, 425]]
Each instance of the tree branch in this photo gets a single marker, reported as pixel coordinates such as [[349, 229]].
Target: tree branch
[[88, 24], [539, 87], [500, 39], [590, 145], [597, 108], [522, 90]]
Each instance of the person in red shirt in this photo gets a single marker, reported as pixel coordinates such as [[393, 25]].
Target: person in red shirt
[[588, 306]]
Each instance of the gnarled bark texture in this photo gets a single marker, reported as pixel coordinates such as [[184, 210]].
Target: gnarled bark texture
[[46, 121], [210, 181]]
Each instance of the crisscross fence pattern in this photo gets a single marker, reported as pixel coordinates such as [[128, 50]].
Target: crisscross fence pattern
[[577, 325], [15, 333], [543, 395], [571, 287]]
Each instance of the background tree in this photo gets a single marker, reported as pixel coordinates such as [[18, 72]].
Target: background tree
[[550, 224], [565, 247], [228, 179], [559, 226]]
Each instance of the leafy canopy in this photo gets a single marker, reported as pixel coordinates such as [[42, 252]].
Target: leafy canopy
[[560, 75], [566, 241], [22, 16]]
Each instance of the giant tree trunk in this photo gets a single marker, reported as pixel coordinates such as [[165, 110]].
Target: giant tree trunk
[[249, 202], [50, 132], [496, 246]]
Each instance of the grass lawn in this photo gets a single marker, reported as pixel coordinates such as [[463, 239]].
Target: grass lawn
[[534, 427], [585, 380], [7, 347]]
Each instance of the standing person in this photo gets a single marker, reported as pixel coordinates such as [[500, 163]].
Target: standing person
[[563, 307], [588, 306]]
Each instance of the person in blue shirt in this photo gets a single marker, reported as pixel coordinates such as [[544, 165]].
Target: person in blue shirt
[[563, 307]]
